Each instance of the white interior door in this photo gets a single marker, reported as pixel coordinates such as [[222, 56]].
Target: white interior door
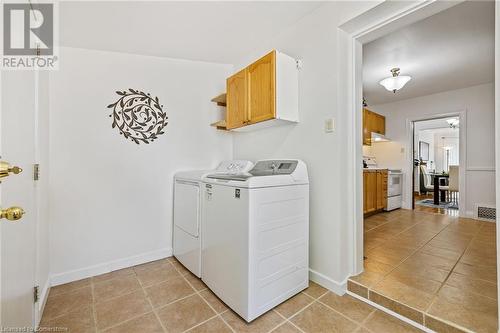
[[18, 241]]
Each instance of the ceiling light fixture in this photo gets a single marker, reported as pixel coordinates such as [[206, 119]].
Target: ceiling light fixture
[[396, 81], [453, 122]]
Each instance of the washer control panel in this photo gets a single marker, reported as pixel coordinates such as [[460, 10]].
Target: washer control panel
[[274, 167]]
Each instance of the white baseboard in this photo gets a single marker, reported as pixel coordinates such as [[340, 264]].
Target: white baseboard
[[82, 273], [338, 288]]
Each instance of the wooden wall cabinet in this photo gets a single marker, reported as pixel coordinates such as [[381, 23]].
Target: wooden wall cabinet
[[261, 78], [372, 123], [236, 100], [263, 94], [374, 190]]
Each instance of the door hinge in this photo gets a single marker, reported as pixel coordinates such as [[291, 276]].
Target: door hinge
[[36, 171], [36, 294]]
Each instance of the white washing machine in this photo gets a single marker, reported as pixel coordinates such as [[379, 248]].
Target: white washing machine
[[188, 212], [255, 246]]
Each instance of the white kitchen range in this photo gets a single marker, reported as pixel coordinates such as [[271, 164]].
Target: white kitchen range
[[394, 189], [254, 234]]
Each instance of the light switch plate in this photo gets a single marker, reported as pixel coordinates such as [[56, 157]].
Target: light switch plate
[[329, 125]]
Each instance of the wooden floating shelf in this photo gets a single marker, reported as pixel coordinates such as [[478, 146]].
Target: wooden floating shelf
[[220, 125], [220, 100]]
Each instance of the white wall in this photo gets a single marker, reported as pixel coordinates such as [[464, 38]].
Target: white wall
[[426, 136], [478, 101], [111, 199], [314, 39]]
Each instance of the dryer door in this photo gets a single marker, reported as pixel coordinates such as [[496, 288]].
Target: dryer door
[[187, 207]]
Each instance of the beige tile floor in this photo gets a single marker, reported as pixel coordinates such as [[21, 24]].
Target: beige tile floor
[[437, 270], [162, 296]]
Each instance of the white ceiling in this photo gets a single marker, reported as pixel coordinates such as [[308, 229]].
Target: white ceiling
[[449, 50], [220, 32]]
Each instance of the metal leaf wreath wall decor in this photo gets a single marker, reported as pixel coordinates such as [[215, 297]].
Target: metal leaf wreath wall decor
[[138, 116]]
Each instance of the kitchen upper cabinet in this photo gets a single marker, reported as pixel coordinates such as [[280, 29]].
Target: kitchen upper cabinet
[[374, 190], [372, 123], [236, 100], [378, 123], [261, 78], [263, 94]]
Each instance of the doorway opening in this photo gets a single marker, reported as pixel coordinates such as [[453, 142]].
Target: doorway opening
[[436, 161], [421, 265]]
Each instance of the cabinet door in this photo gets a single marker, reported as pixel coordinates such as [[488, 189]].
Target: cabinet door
[[371, 191], [366, 129], [378, 123], [370, 125], [237, 100], [381, 124], [380, 193], [262, 88], [365, 182], [381, 189], [372, 122]]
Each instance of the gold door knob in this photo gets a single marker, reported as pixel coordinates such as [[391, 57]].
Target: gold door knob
[[12, 213], [6, 169]]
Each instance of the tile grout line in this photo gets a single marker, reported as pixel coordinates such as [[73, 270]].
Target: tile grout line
[[123, 322], [94, 310], [338, 312], [288, 321], [402, 231], [368, 318], [371, 288], [454, 325], [449, 274], [302, 310], [69, 311], [133, 317], [377, 225], [198, 292], [406, 258], [153, 309], [151, 303], [391, 237], [317, 300], [200, 323], [447, 277]]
